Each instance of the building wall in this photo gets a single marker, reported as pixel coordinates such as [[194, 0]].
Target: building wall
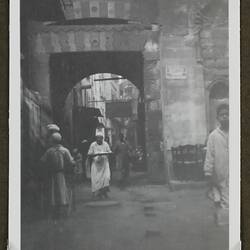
[[213, 37], [179, 69], [194, 53], [183, 94], [100, 92]]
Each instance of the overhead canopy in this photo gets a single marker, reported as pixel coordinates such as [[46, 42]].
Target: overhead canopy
[[118, 109], [89, 112]]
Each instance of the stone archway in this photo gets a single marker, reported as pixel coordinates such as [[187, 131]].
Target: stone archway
[[66, 69], [48, 41]]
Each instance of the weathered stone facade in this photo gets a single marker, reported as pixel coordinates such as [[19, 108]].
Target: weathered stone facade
[[181, 61], [136, 10], [194, 57], [46, 41]]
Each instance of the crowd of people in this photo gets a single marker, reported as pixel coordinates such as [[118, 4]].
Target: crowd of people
[[62, 170]]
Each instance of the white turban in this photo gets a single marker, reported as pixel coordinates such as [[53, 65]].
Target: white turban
[[53, 127], [56, 137], [99, 132]]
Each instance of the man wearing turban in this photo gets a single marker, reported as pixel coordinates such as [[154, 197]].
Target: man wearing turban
[[57, 161], [100, 171]]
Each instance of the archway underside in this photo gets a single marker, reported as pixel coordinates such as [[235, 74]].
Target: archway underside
[[115, 50], [69, 68]]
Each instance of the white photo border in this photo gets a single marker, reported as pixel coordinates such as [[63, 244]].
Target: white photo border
[[234, 133], [15, 125]]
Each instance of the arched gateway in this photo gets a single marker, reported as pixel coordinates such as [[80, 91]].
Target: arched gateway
[[62, 54]]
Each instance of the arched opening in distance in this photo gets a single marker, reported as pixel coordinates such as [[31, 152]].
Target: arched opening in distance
[[93, 88]]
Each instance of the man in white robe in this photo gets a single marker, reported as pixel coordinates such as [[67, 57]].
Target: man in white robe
[[216, 166], [100, 171]]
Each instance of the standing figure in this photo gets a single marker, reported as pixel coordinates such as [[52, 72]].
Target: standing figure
[[57, 162], [78, 169], [110, 157], [217, 160], [122, 160], [84, 147], [42, 173], [76, 177], [107, 140], [100, 171]]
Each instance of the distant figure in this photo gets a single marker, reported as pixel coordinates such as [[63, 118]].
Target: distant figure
[[110, 157], [217, 159], [100, 171], [78, 169], [58, 162], [122, 160], [107, 140], [84, 146]]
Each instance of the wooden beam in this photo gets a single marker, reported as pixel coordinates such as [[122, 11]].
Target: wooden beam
[[107, 79]]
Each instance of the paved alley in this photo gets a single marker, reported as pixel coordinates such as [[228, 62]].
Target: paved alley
[[146, 217], [129, 91]]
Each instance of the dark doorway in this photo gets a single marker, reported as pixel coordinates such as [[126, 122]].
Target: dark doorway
[[67, 69]]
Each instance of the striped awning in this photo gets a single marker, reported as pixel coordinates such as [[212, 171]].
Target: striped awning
[[76, 9], [46, 39]]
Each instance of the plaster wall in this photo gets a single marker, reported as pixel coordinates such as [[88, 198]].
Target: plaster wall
[[183, 89], [176, 74], [183, 96], [39, 75]]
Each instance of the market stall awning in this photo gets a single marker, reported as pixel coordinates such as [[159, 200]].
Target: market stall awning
[[89, 112]]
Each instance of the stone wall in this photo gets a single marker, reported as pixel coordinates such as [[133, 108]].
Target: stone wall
[[194, 56], [183, 92], [179, 69]]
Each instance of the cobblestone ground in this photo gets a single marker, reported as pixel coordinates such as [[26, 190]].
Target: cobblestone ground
[[147, 218]]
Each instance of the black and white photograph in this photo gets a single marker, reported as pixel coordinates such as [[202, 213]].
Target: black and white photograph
[[124, 125]]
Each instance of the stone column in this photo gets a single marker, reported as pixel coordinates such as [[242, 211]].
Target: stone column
[[153, 116]]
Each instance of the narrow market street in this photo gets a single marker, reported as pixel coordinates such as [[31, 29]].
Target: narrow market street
[[131, 94], [142, 217]]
